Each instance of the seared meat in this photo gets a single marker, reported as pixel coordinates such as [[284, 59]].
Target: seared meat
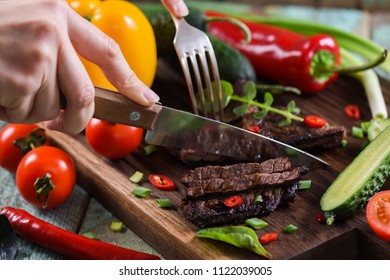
[[297, 134], [243, 182], [212, 211], [276, 180]]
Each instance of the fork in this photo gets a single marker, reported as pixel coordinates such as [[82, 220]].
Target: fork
[[198, 62]]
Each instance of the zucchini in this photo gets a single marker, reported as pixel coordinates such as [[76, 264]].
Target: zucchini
[[359, 181], [377, 126], [233, 65]]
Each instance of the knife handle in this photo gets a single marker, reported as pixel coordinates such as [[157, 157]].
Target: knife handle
[[114, 107]]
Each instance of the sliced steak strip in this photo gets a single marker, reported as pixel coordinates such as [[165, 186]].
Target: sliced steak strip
[[213, 212], [236, 170], [242, 182]]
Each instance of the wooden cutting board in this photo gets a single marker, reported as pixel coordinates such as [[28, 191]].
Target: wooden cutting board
[[174, 237]]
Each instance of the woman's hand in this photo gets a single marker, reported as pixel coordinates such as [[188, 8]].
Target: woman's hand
[[38, 63]]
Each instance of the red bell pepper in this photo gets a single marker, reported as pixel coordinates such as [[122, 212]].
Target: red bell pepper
[[281, 55]]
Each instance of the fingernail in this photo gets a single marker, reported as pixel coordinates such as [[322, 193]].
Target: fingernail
[[181, 9], [150, 95]]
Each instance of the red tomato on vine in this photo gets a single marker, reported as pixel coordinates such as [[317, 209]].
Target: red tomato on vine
[[112, 140], [16, 140], [46, 177]]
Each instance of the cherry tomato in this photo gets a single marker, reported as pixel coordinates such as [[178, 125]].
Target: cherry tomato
[[352, 111], [129, 27], [11, 154], [314, 121], [233, 201], [161, 182], [46, 164], [268, 237], [378, 214], [112, 140]]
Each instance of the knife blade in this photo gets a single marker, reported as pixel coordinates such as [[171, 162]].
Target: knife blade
[[174, 128]]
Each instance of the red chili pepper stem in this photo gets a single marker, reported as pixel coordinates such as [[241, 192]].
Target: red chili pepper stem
[[69, 244], [343, 70]]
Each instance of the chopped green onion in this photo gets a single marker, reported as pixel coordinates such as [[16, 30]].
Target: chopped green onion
[[141, 192], [304, 184], [116, 226], [357, 132], [136, 177], [164, 203], [290, 228], [258, 199], [149, 149], [90, 235], [256, 223], [365, 126], [344, 143]]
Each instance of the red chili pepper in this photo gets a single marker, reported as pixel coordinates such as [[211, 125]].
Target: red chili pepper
[[67, 243], [268, 237], [352, 111], [281, 55], [315, 121], [254, 128], [162, 182], [233, 201]]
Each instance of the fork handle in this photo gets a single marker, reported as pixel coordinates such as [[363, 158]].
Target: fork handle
[[113, 107]]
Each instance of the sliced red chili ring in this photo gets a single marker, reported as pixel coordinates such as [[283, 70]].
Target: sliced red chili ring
[[315, 121], [268, 237], [254, 128], [233, 201], [162, 182], [352, 111]]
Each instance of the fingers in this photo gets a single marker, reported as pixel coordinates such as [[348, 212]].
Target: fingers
[[108, 56], [78, 90], [176, 7]]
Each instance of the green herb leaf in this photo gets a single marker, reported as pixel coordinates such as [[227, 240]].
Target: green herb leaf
[[268, 99], [239, 236], [240, 110], [258, 199], [250, 90]]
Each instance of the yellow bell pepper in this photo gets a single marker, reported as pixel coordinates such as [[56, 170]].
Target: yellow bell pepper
[[128, 26]]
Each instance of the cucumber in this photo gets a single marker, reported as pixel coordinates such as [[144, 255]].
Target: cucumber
[[233, 65], [359, 181], [377, 126]]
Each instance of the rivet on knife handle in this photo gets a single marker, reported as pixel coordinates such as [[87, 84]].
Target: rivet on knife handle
[[114, 107]]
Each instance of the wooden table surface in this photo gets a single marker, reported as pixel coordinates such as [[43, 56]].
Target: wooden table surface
[[82, 213]]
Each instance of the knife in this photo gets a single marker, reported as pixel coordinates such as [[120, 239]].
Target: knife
[[174, 128]]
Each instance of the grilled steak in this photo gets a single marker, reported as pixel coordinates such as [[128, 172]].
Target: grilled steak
[[297, 134], [212, 211], [209, 186]]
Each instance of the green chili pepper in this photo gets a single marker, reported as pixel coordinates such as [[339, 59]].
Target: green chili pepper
[[239, 236]]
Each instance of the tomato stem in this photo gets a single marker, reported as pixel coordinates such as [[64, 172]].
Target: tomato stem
[[44, 186], [35, 139]]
